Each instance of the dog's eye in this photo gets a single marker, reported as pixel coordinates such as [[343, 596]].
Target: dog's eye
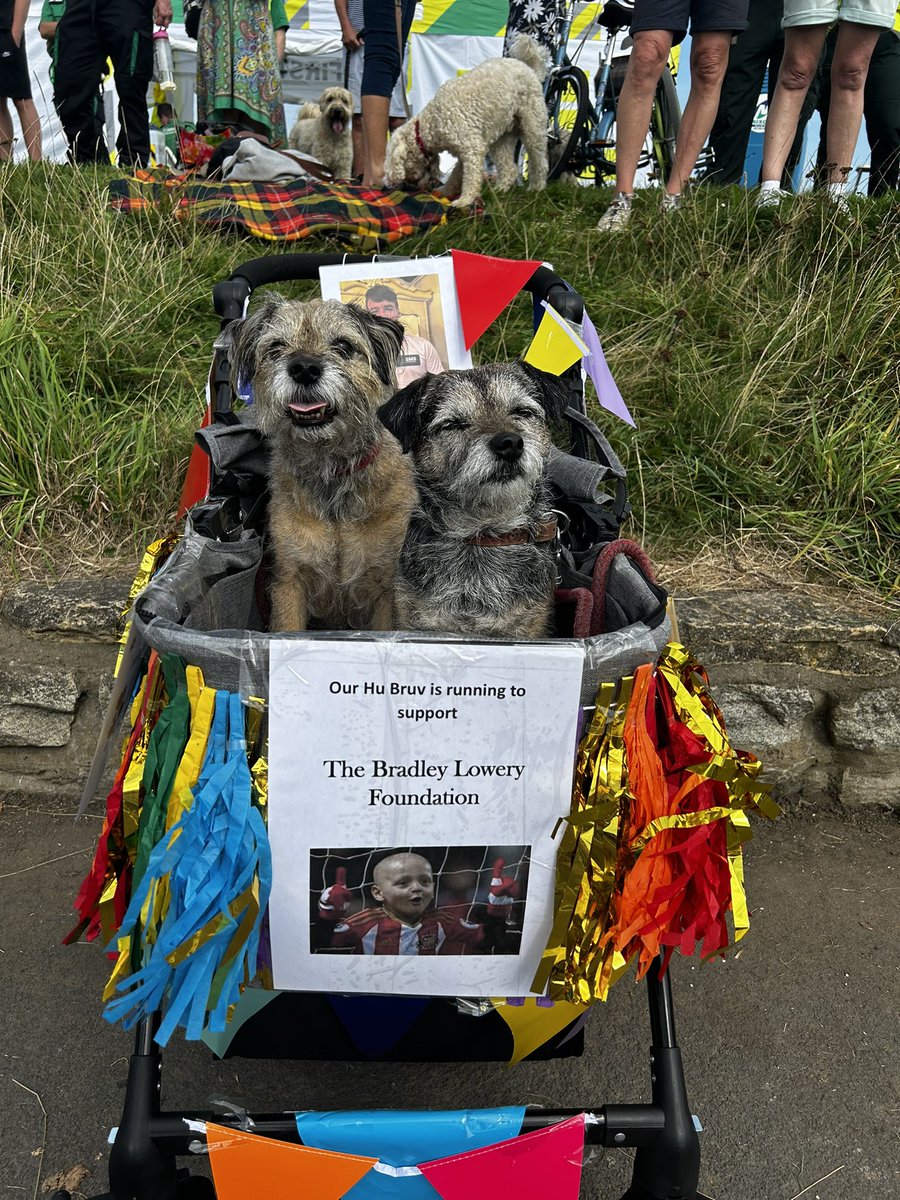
[[451, 423], [528, 414], [344, 348], [275, 348]]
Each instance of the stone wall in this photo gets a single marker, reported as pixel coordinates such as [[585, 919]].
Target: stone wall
[[811, 686]]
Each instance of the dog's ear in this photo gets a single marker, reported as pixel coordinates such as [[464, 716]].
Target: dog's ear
[[552, 392], [407, 412], [385, 337], [245, 335]]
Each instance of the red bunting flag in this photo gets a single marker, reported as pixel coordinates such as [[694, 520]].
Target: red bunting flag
[[484, 287], [245, 1164], [197, 480], [531, 1167]]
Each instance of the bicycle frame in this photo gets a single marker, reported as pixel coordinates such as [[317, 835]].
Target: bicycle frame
[[581, 126]]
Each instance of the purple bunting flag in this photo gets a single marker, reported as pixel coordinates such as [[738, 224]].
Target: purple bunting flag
[[595, 365]]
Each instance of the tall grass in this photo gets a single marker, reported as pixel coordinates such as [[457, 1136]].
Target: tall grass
[[758, 354]]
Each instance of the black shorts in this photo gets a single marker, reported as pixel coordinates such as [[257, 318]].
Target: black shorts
[[15, 83], [706, 16]]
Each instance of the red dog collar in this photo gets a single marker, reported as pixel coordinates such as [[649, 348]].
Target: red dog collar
[[418, 136], [365, 461]]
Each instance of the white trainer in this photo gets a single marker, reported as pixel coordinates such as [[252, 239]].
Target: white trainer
[[771, 197], [618, 214]]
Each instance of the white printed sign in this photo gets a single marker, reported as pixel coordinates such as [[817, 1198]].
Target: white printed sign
[[413, 792]]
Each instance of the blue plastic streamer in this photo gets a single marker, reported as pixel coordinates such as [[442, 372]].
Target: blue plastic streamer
[[403, 1140], [209, 859]]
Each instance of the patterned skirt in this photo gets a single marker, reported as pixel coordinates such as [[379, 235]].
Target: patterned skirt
[[237, 68]]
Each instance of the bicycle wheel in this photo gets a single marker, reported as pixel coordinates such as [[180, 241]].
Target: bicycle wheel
[[568, 108], [664, 125]]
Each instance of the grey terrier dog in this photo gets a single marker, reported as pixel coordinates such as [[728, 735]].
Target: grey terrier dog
[[340, 489], [479, 551]]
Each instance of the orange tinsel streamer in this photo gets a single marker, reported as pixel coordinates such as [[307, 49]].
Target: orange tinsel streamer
[[673, 872]]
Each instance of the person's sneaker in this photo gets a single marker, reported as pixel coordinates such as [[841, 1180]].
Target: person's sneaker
[[771, 197], [618, 213], [671, 203], [838, 198]]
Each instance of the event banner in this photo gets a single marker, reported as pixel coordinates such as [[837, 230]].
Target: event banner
[[414, 790]]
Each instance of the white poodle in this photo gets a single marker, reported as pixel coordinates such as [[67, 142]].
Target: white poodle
[[483, 112], [323, 130]]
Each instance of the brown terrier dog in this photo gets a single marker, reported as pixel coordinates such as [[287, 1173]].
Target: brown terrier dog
[[341, 491]]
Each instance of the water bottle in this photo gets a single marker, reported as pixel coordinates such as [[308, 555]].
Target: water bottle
[[163, 63]]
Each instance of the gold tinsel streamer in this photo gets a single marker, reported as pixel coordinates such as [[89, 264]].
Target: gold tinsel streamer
[[574, 965], [153, 558], [581, 960]]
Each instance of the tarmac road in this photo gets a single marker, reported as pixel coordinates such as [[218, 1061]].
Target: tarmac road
[[790, 1048]]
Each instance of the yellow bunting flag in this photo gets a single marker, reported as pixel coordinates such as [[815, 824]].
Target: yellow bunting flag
[[555, 346], [245, 1164], [533, 1024]]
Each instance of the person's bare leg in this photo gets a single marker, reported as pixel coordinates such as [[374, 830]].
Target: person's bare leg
[[31, 128], [802, 50], [709, 60], [358, 136], [6, 131], [651, 50], [852, 53], [375, 111]]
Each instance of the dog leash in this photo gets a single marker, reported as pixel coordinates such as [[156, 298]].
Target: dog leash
[[398, 17]]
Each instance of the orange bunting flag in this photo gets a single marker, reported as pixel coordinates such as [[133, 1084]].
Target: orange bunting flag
[[534, 1166], [245, 1164], [484, 287]]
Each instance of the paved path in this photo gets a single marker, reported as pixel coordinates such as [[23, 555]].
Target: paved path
[[791, 1050]]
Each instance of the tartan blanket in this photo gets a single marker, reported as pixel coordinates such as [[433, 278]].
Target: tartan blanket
[[284, 212]]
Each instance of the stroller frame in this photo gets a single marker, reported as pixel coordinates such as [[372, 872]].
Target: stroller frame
[[148, 1140], [142, 1162]]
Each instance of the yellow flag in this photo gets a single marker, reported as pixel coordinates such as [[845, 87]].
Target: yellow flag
[[533, 1024], [555, 346]]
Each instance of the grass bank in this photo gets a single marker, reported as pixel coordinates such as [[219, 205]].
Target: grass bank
[[758, 354]]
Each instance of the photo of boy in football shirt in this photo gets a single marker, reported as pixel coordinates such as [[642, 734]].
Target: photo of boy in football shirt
[[404, 921]]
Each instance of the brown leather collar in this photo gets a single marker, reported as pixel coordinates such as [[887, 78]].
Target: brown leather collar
[[365, 460], [545, 532]]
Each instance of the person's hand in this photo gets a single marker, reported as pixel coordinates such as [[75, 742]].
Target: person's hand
[[162, 13], [350, 37], [504, 890], [335, 900]]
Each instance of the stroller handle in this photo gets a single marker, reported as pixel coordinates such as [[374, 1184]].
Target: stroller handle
[[231, 295]]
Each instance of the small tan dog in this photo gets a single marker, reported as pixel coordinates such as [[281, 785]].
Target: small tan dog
[[323, 130], [340, 489]]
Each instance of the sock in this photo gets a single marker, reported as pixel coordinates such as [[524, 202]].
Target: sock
[[770, 185], [836, 190]]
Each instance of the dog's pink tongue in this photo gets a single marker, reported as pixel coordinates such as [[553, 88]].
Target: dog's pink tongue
[[306, 409], [338, 127]]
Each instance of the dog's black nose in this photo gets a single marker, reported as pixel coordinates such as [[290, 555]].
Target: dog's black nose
[[508, 446], [303, 369]]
